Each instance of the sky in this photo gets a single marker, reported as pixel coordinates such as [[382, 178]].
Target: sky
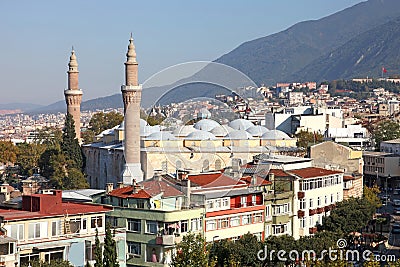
[[37, 36]]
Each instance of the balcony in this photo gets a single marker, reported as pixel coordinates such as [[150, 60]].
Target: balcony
[[312, 211], [320, 210], [301, 195], [300, 213], [168, 240]]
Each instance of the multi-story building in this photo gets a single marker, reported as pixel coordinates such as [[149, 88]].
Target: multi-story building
[[155, 214], [47, 228], [381, 168]]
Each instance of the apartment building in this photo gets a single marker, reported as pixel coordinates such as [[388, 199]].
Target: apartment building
[[47, 228]]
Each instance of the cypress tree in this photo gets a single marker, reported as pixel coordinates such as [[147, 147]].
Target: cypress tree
[[70, 144], [98, 254], [110, 250]]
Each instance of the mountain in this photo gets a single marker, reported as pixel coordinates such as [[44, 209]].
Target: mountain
[[112, 101], [275, 58], [362, 56], [19, 106]]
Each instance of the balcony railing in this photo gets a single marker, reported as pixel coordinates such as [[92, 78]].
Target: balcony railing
[[168, 240], [301, 195], [300, 213]]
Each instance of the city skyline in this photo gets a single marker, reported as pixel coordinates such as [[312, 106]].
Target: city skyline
[[42, 35]]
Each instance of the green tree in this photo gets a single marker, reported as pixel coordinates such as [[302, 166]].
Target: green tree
[[98, 253], [191, 251], [8, 152], [306, 139], [110, 249], [74, 179], [70, 145], [349, 216], [246, 249], [28, 157], [223, 252], [385, 130], [371, 195], [99, 122]]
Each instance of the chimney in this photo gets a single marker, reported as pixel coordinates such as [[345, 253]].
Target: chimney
[[120, 184], [109, 187], [186, 185]]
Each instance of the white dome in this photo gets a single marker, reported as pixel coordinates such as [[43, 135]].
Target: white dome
[[220, 130], [240, 124], [239, 135], [200, 135], [143, 123], [275, 135], [206, 125], [184, 130], [147, 130], [257, 130], [161, 136]]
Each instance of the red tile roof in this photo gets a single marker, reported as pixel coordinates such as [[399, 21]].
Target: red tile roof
[[279, 173], [127, 192], [66, 208], [150, 188], [210, 180], [312, 172], [348, 178]]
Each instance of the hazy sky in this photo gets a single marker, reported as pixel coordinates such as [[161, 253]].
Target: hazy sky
[[36, 38]]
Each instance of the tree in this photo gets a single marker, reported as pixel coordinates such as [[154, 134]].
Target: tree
[[28, 156], [246, 249], [74, 180], [99, 122], [70, 145], [371, 195], [8, 152], [98, 253], [349, 216], [110, 249], [385, 130], [305, 139], [191, 251], [223, 252]]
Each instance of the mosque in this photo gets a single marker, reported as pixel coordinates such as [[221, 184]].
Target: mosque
[[135, 151]]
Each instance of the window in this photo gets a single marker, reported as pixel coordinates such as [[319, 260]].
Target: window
[[254, 199], [302, 204], [318, 201], [268, 211], [84, 223], [140, 204], [311, 221], [225, 202], [279, 229], [303, 222], [218, 203], [151, 227], [96, 222], [332, 198], [235, 221], [210, 204], [243, 201], [56, 228], [134, 225], [184, 226], [326, 200], [246, 219], [7, 248], [258, 217], [35, 230], [196, 224], [134, 248], [223, 223], [211, 225], [17, 231], [75, 225]]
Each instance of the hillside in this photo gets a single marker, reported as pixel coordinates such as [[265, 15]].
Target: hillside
[[277, 57], [362, 56]]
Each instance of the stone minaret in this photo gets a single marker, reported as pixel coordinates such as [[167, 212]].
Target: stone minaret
[[73, 95], [131, 94]]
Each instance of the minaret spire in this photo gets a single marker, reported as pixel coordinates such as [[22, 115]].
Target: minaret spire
[[73, 95], [131, 95]]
